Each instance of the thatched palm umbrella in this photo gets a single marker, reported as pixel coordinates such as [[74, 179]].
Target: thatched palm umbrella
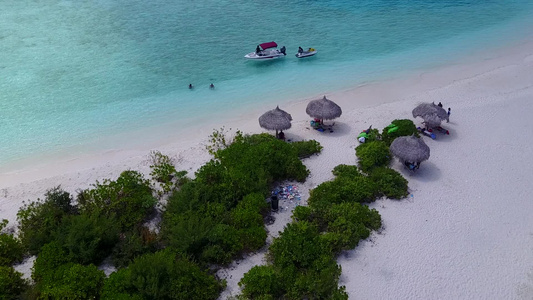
[[432, 114], [323, 109], [432, 121], [276, 119], [410, 149]]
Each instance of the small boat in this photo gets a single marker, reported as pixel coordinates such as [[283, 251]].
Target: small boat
[[266, 51], [301, 53]]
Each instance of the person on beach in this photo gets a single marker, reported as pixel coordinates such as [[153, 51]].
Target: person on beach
[[190, 86], [449, 112], [281, 135], [211, 86], [440, 104]]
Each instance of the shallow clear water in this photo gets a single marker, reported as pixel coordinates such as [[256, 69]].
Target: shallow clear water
[[75, 71]]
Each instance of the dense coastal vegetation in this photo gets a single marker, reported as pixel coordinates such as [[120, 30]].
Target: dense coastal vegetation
[[302, 260], [207, 222]]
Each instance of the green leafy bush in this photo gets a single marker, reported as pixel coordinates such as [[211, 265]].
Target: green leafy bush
[[299, 245], [318, 283], [161, 275], [11, 249], [87, 238], [51, 257], [38, 219], [133, 244], [164, 172], [218, 140], [187, 232], [391, 184], [303, 213], [405, 127], [11, 283], [222, 244], [347, 171], [343, 189], [127, 201], [262, 282], [372, 155], [348, 223], [303, 267], [72, 281], [219, 214], [306, 148]]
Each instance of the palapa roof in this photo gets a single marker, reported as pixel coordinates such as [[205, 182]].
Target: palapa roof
[[275, 119], [410, 148], [323, 109], [432, 114], [432, 121]]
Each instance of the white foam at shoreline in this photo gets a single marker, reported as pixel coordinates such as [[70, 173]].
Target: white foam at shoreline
[[466, 231]]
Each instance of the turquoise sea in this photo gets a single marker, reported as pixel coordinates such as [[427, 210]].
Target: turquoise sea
[[75, 72]]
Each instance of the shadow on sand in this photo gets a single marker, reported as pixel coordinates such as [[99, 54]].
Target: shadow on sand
[[428, 171]]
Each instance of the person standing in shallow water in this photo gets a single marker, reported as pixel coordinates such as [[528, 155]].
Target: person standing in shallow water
[[449, 112], [190, 86]]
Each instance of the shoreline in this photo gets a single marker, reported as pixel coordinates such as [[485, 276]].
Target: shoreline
[[170, 136], [56, 168]]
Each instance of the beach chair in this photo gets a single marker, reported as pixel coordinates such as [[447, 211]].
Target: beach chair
[[426, 133], [317, 126]]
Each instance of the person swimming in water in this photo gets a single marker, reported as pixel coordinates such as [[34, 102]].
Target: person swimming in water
[[190, 86], [211, 86]]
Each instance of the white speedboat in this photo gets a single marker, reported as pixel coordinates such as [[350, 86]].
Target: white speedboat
[[266, 51], [301, 53]]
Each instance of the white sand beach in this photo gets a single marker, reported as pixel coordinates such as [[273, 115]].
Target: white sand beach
[[465, 231]]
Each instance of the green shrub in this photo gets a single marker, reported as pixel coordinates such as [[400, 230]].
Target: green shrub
[[133, 244], [127, 201], [222, 243], [11, 249], [278, 159], [87, 239], [342, 189], [302, 213], [38, 219], [317, 283], [346, 171], [218, 140], [72, 281], [11, 283], [187, 232], [373, 135], [219, 214], [306, 148], [405, 127], [348, 223], [161, 275], [262, 282], [164, 172], [51, 257], [119, 286], [248, 211], [372, 155], [299, 245], [252, 238], [391, 184]]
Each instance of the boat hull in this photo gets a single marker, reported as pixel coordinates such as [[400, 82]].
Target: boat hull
[[305, 54], [254, 56]]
